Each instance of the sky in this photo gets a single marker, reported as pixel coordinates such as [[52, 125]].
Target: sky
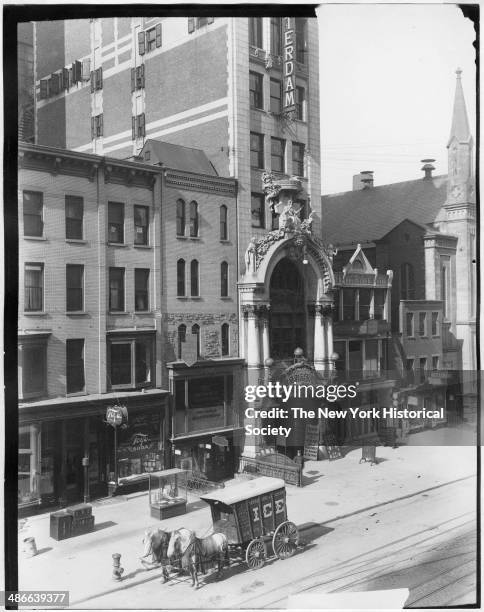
[[387, 88]]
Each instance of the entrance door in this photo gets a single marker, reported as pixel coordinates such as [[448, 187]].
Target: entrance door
[[74, 483]]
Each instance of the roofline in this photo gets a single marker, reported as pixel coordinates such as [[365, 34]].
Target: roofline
[[340, 193]]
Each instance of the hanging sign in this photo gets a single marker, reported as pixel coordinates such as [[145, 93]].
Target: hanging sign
[[116, 415], [289, 76]]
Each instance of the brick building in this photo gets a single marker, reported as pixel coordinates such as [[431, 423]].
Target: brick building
[[99, 317]]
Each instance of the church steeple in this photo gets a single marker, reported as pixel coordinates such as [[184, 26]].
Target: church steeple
[[460, 125], [460, 188]]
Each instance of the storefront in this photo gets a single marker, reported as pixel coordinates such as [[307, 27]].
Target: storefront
[[206, 417], [56, 437]]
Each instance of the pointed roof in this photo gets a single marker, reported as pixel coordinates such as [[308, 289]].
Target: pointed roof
[[460, 124]]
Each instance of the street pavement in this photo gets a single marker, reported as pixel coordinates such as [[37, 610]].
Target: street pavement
[[390, 520]]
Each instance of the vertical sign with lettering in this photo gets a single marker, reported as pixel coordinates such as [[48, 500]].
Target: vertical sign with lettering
[[289, 77]]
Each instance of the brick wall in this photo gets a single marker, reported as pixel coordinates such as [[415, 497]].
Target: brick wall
[[117, 103], [48, 116], [79, 106]]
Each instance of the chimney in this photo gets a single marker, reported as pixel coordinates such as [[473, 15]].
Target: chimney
[[427, 168], [363, 180]]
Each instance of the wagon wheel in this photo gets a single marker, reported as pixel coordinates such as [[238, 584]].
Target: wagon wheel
[[256, 553], [285, 540]]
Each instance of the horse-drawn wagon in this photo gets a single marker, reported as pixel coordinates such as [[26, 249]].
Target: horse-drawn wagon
[[250, 515]]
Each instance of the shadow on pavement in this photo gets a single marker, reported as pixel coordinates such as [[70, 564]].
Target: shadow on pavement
[[104, 525]]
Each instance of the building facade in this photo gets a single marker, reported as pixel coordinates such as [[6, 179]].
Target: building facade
[[99, 317]]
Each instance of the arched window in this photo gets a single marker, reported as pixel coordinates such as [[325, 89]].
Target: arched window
[[180, 218], [225, 339], [224, 279], [193, 219], [182, 336], [407, 282], [180, 277], [194, 284], [223, 223], [196, 332]]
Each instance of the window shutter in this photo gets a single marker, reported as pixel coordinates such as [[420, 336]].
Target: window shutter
[[141, 43], [99, 78], [133, 128], [133, 79], [74, 72], [142, 75], [210, 20], [191, 24], [55, 83], [85, 70], [92, 77], [65, 77], [43, 89], [93, 135], [142, 124], [101, 125], [158, 34]]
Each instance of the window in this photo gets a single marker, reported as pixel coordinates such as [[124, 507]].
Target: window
[[97, 128], [33, 207], [193, 219], [74, 366], [379, 304], [34, 370], [194, 23], [180, 277], [340, 350], [116, 222], [149, 40], [435, 362], [255, 90], [74, 217], [422, 323], [116, 289], [277, 154], [141, 224], [444, 290], [276, 30], [435, 320], [224, 279], [194, 282], [355, 356], [407, 284], [257, 210], [298, 158], [256, 150], [409, 329], [138, 77], [300, 103], [223, 223], [141, 289], [274, 219], [349, 301], [74, 287], [196, 332], [138, 129], [34, 287], [301, 39], [275, 88], [255, 32], [225, 339], [180, 218], [364, 299], [131, 362], [182, 336], [96, 79], [422, 367], [371, 364]]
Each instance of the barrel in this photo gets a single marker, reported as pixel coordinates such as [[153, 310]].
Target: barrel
[[29, 549]]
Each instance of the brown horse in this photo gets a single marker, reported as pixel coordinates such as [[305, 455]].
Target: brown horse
[[155, 543], [195, 551]]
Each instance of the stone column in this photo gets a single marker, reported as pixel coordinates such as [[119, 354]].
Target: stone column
[[264, 322], [253, 344], [329, 336], [320, 353]]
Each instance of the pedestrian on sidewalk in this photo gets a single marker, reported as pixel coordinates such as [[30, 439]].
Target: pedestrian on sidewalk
[[299, 459]]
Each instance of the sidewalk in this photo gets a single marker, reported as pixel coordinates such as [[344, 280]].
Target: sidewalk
[[336, 489]]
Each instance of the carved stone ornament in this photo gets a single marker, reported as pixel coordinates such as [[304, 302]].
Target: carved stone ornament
[[270, 187]]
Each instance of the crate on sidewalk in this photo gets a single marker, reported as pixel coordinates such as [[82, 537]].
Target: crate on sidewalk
[[85, 524], [80, 511], [60, 525]]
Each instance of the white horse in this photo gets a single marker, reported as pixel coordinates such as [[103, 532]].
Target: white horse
[[194, 551], [155, 543]]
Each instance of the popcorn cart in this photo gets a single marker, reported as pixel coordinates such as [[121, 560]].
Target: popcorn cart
[[164, 493]]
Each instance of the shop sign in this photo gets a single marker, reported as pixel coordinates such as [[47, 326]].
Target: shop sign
[[289, 87], [412, 400], [116, 415]]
